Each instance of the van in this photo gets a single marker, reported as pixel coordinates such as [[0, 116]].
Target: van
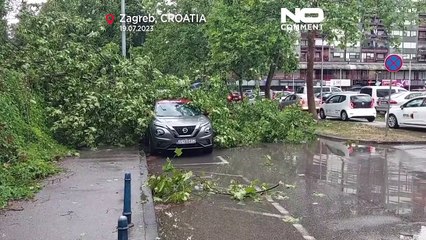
[[317, 89], [377, 92]]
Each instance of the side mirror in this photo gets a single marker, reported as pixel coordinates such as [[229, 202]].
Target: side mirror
[[206, 113], [402, 107]]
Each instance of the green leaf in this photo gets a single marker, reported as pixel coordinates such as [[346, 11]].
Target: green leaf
[[178, 152]]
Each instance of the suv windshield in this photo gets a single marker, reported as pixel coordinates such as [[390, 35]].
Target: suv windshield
[[174, 109]]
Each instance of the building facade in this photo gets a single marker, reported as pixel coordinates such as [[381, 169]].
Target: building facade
[[363, 64]]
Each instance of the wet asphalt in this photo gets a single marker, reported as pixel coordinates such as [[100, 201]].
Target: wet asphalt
[[330, 191]]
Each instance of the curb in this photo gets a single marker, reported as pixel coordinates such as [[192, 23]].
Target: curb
[[149, 218], [370, 142]]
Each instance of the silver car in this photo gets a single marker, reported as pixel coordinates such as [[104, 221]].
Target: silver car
[[177, 124]]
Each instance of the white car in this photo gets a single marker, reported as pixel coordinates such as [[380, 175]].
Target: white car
[[410, 114], [317, 89], [347, 105], [397, 99]]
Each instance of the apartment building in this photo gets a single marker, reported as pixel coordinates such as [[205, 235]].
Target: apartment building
[[364, 62]]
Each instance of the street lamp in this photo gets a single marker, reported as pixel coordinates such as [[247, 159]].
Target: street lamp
[[322, 63]]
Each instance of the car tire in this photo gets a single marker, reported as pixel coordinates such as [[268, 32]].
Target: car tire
[[393, 122], [322, 114], [371, 119], [344, 116], [208, 150]]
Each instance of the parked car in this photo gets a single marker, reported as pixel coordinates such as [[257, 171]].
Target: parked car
[[177, 124], [234, 97], [377, 92], [397, 99], [356, 88], [347, 105], [325, 96], [410, 114], [317, 89], [301, 99], [280, 94]]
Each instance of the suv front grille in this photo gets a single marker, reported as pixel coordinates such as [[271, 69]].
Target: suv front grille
[[181, 130]]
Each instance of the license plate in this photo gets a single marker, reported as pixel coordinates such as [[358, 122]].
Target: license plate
[[186, 141]]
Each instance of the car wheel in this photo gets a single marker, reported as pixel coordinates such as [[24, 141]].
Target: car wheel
[[322, 114], [344, 116], [371, 119], [392, 121], [208, 150]]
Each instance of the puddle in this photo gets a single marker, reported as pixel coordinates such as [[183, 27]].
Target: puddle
[[344, 188], [337, 190]]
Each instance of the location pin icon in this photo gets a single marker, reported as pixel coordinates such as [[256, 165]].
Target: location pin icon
[[109, 18]]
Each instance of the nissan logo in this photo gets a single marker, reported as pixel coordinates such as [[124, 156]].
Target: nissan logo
[[185, 130]]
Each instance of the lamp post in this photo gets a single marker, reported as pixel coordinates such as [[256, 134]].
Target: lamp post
[[123, 32], [322, 63], [409, 76]]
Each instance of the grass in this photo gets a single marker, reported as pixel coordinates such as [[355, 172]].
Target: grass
[[363, 132]]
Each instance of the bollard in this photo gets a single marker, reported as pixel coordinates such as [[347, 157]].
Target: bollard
[[122, 228], [127, 209]]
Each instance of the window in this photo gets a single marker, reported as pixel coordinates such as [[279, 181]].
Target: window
[[406, 56], [338, 55], [407, 33], [317, 55], [413, 33], [369, 55], [304, 43], [384, 92], [360, 98], [175, 110], [368, 91], [291, 98], [414, 103], [397, 33], [380, 56], [318, 89], [334, 99], [409, 45], [413, 95], [335, 89], [354, 55]]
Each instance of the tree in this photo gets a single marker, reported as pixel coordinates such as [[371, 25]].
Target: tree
[[180, 49], [245, 39]]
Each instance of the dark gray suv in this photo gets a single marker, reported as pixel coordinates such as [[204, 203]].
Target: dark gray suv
[[177, 124]]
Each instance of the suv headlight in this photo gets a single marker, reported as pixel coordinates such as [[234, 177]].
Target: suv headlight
[[159, 132], [206, 128]]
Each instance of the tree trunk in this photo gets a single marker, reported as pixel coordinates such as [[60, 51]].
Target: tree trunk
[[310, 74], [268, 84], [344, 54], [240, 86]]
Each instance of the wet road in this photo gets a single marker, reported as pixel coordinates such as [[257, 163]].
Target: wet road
[[334, 191]]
